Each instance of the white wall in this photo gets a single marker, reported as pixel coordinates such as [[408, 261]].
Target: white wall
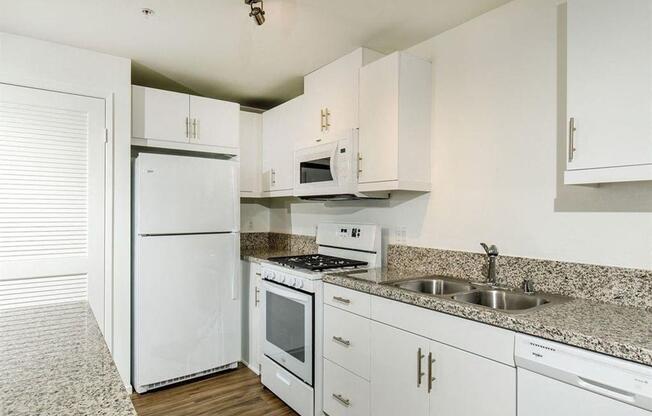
[[497, 155], [25, 61], [254, 215]]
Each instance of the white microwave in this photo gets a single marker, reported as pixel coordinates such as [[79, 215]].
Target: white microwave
[[328, 170]]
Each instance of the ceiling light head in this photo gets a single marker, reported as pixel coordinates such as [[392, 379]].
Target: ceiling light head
[[256, 12], [147, 12]]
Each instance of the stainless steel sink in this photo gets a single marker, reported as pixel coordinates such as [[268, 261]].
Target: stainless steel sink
[[480, 294], [501, 299], [435, 285]]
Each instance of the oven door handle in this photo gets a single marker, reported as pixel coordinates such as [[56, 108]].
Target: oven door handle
[[287, 293]]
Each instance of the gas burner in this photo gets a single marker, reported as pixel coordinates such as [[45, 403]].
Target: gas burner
[[316, 262]]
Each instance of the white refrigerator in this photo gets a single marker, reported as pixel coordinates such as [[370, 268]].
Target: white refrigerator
[[186, 249]]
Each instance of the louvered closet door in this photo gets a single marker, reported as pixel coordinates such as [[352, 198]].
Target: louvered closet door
[[52, 187]]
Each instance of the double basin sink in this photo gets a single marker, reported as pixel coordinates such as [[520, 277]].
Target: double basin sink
[[477, 293]]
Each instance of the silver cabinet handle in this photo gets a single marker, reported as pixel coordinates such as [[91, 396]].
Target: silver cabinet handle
[[187, 127], [195, 124], [571, 139], [321, 119], [341, 300], [342, 400], [420, 373], [327, 114], [257, 274], [431, 378], [359, 164], [273, 177], [342, 341], [256, 299]]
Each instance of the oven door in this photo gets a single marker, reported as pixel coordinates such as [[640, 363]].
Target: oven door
[[287, 328]]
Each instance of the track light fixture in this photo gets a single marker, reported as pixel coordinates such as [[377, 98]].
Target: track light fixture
[[257, 12]]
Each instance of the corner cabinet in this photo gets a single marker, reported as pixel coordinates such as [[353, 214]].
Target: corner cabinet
[[395, 114], [282, 128], [172, 120], [331, 96], [251, 136], [609, 91]]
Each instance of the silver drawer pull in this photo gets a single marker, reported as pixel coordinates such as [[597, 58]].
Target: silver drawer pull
[[342, 341], [341, 300], [342, 400]]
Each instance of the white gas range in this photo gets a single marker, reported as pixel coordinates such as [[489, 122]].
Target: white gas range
[[293, 315]]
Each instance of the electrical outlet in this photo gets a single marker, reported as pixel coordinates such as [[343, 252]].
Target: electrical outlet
[[400, 235], [250, 225]]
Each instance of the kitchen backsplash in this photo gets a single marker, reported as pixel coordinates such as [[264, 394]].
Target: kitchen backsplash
[[630, 287], [298, 244]]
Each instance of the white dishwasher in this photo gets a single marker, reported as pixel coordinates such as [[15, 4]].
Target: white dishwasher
[[559, 380]]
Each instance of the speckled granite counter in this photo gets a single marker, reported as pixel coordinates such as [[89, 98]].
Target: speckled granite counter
[[620, 331], [54, 361]]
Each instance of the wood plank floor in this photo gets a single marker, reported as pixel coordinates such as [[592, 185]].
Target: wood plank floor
[[232, 393]]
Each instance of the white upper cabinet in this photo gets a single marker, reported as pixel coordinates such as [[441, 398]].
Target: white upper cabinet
[[609, 91], [173, 120], [332, 96], [214, 122], [282, 127], [395, 111], [251, 136], [159, 115]]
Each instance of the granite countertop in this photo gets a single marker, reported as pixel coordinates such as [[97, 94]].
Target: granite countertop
[[620, 331], [54, 361]]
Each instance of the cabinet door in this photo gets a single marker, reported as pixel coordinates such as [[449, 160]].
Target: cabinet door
[[254, 317], [159, 115], [214, 122], [610, 82], [251, 126], [397, 387], [379, 99], [333, 88], [282, 126], [466, 384]]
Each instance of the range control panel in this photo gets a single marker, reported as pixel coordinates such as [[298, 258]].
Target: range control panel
[[353, 232], [365, 237]]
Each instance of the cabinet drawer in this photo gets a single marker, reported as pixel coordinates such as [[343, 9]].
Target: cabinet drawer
[[345, 394], [347, 299], [295, 393], [346, 340]]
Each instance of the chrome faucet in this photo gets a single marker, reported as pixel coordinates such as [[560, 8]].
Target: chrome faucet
[[492, 254]]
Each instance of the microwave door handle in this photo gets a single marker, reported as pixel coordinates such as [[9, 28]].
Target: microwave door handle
[[333, 164]]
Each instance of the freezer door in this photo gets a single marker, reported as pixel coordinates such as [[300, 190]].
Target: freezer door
[[186, 305], [181, 194]]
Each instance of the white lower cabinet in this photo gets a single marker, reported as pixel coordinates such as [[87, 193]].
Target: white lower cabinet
[[251, 315], [406, 360], [345, 394], [346, 340], [398, 381], [466, 384]]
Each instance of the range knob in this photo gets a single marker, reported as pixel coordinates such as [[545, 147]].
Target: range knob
[[290, 281], [268, 274], [298, 284], [281, 279]]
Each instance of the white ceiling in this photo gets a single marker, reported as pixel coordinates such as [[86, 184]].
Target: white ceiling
[[212, 47]]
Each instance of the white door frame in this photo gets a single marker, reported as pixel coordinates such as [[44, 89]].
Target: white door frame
[[108, 97]]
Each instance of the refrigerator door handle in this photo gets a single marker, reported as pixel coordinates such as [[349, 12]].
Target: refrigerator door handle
[[235, 281]]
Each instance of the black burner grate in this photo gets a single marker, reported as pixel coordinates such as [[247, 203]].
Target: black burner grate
[[316, 262]]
